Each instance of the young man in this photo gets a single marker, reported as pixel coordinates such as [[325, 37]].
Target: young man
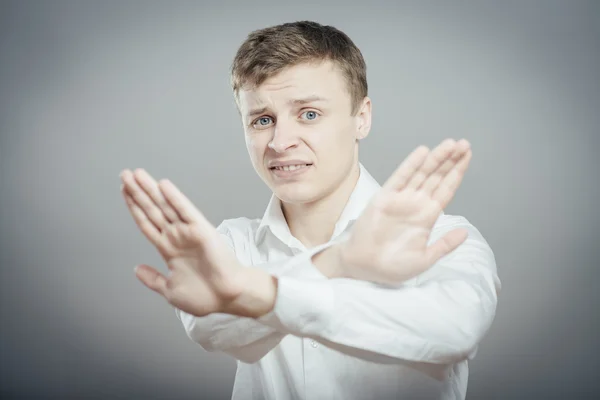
[[345, 289]]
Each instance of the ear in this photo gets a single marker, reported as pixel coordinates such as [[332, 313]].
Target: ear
[[363, 119]]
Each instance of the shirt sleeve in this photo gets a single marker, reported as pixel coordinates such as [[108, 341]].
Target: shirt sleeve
[[245, 339], [439, 317]]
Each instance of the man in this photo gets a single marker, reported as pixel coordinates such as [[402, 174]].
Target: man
[[345, 289]]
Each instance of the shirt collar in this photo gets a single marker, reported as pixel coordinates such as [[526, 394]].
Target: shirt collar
[[273, 218]]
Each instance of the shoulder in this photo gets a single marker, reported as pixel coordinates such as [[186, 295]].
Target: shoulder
[[472, 260], [238, 225], [448, 222], [475, 242], [239, 231]]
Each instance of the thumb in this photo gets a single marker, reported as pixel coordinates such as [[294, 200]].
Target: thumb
[[151, 278], [445, 245]]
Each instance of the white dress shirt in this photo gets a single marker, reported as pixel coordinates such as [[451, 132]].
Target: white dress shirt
[[349, 339]]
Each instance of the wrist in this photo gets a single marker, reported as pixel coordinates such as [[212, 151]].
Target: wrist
[[258, 297], [329, 262]]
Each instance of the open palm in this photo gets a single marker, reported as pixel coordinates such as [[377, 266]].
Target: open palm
[[202, 275], [389, 242]]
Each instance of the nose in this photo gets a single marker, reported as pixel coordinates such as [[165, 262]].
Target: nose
[[284, 138]]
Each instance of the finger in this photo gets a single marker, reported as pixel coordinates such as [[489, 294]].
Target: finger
[[447, 188], [152, 279], [146, 226], [153, 213], [149, 185], [435, 158], [433, 181], [402, 174], [445, 245], [148, 229], [182, 205]]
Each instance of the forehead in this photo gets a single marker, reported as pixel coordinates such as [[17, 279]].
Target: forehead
[[323, 80]]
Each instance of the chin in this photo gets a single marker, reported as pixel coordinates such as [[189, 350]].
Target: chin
[[296, 194]]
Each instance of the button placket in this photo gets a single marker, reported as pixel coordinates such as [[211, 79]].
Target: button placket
[[312, 364]]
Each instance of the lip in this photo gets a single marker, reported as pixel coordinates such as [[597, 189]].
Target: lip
[[282, 163], [279, 173]]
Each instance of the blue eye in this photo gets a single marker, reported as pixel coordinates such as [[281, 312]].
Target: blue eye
[[311, 115], [262, 122]]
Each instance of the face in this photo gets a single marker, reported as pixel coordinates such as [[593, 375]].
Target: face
[[300, 133]]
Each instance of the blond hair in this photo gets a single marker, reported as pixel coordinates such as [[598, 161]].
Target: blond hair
[[267, 51]]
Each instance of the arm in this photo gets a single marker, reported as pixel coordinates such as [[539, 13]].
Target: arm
[[387, 244], [244, 338], [439, 319]]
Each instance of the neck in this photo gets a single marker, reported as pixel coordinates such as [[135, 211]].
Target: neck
[[313, 223]]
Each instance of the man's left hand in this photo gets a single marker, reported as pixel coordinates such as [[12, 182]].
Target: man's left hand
[[389, 242]]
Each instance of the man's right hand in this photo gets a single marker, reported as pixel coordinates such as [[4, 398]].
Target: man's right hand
[[204, 274]]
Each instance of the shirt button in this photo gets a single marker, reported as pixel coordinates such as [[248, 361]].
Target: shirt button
[[314, 344]]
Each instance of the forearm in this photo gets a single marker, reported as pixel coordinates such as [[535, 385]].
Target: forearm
[[439, 318], [243, 338], [236, 331], [424, 324]]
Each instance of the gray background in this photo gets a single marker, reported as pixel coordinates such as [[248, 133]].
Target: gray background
[[90, 88]]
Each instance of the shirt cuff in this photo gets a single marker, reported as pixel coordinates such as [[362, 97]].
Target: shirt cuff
[[302, 306]]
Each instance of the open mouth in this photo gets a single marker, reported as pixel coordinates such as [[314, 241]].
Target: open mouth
[[291, 167]]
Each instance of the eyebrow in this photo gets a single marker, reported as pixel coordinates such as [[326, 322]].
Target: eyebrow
[[309, 99], [302, 101]]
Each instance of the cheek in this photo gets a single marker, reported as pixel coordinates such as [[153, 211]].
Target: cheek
[[333, 142], [256, 148]]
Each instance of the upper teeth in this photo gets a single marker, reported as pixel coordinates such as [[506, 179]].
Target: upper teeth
[[291, 167]]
